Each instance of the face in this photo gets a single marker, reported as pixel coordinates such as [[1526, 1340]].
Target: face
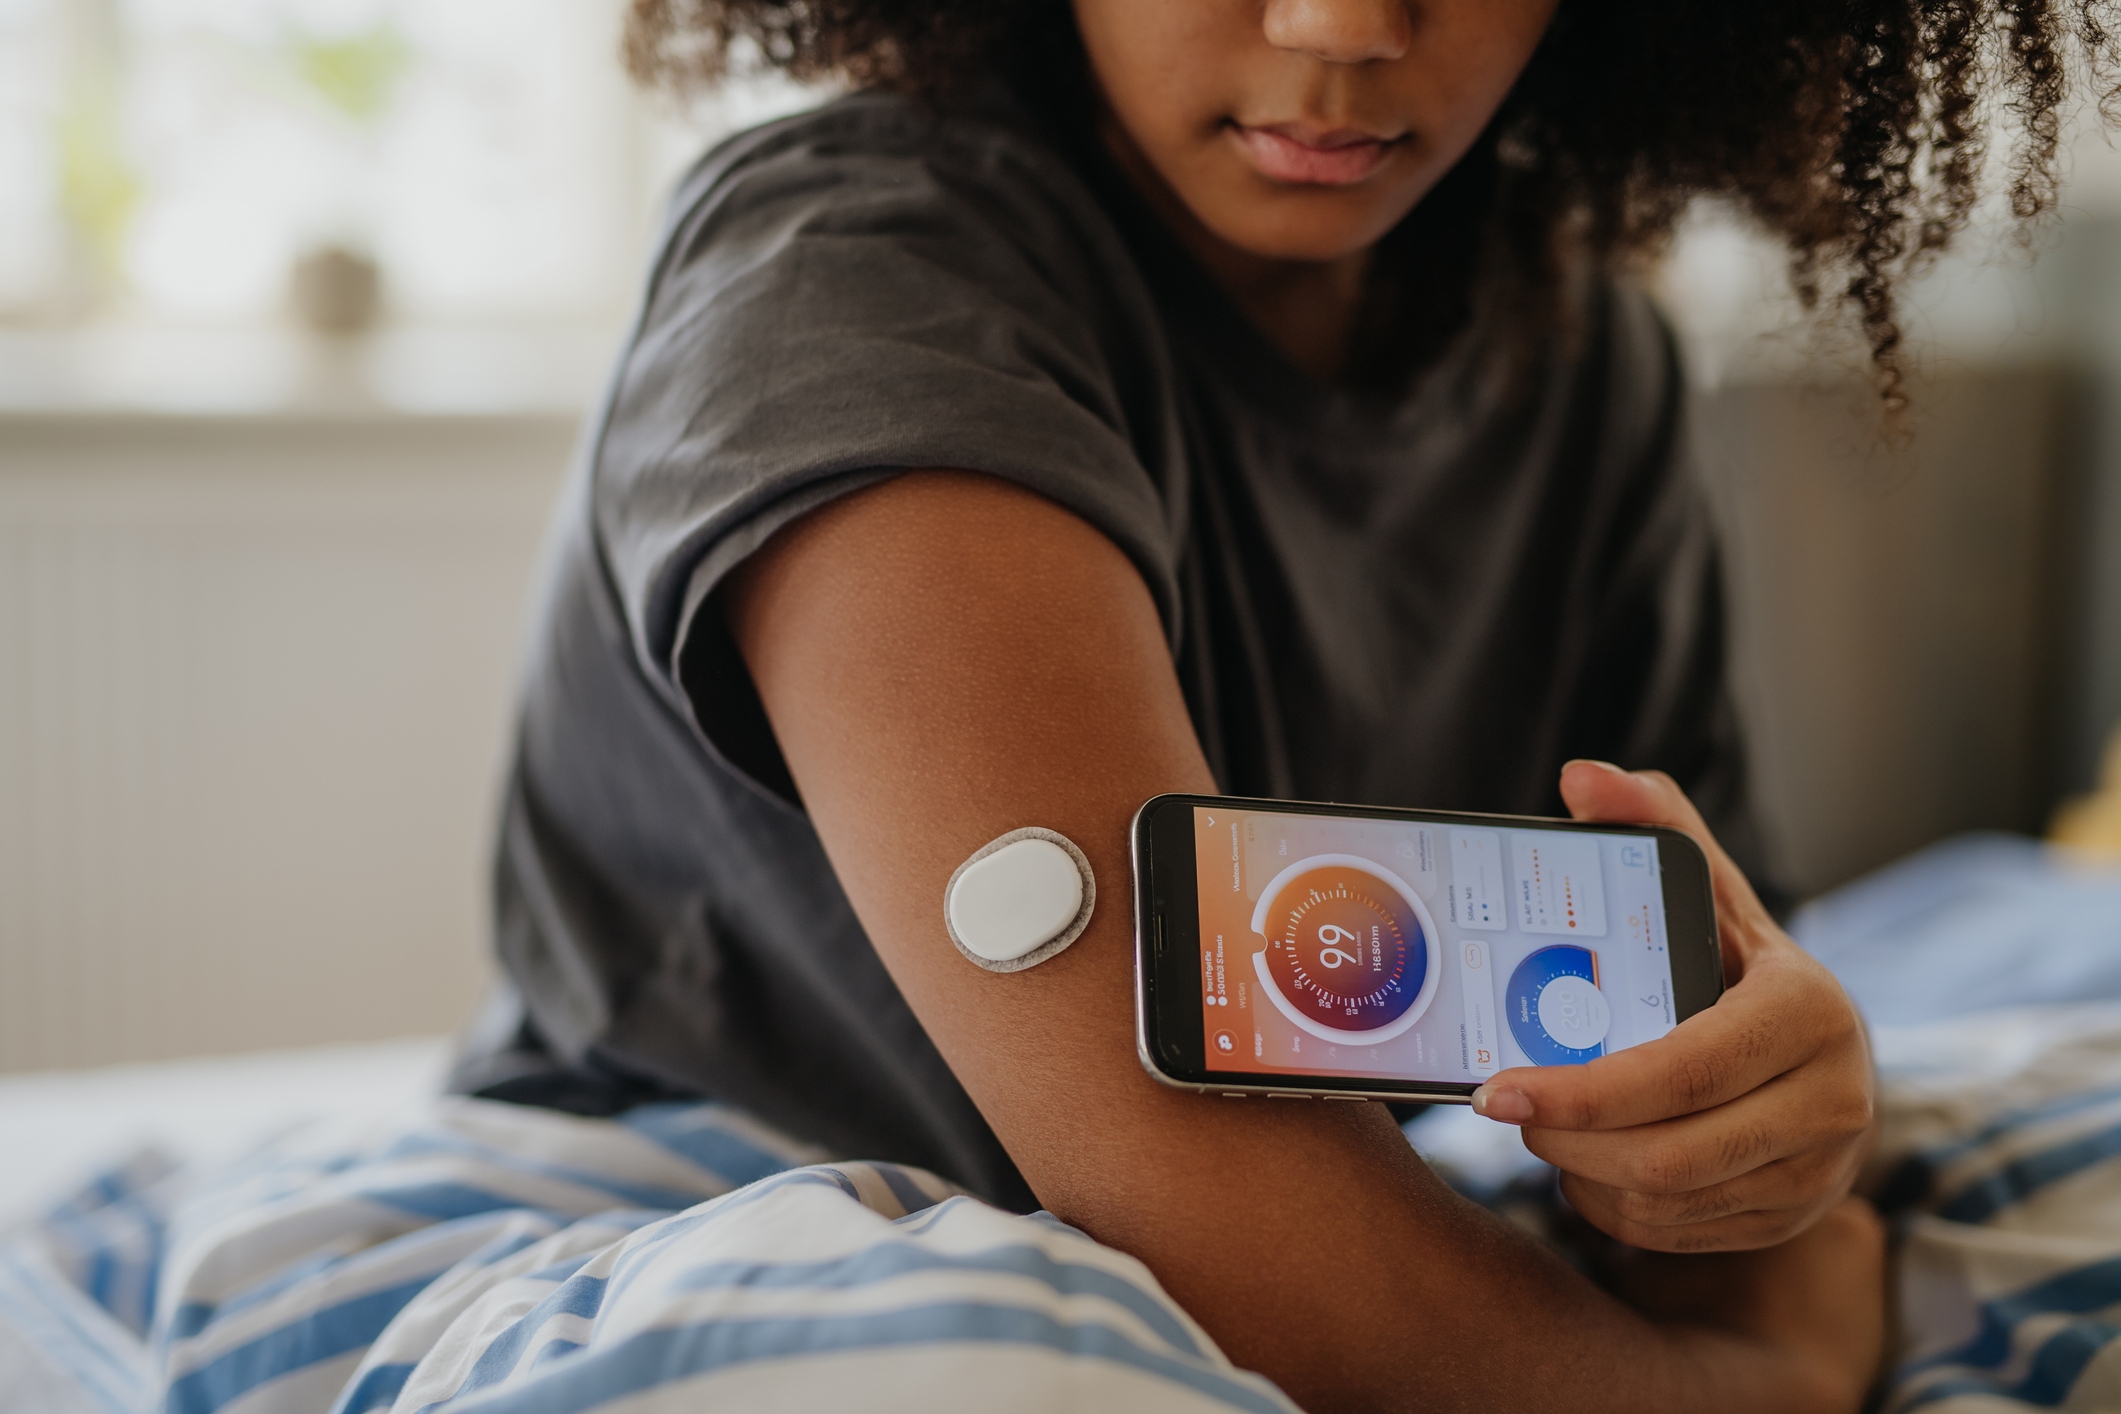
[[1302, 130]]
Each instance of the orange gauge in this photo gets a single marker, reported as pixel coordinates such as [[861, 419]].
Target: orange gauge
[[1350, 954]]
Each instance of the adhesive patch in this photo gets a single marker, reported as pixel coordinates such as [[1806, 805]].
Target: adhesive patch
[[1019, 899]]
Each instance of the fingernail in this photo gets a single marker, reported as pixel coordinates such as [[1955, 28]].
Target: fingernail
[[1601, 765], [1509, 1105]]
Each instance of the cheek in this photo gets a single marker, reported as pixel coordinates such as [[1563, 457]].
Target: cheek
[[1487, 46], [1162, 63]]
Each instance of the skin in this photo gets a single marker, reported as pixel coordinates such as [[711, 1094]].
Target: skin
[[946, 657]]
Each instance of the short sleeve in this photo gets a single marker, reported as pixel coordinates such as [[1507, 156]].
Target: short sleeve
[[856, 292]]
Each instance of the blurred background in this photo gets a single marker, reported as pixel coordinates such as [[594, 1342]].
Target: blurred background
[[301, 305]]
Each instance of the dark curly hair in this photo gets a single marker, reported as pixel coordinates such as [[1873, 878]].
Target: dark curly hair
[[1853, 130]]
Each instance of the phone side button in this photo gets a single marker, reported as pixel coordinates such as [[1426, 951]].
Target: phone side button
[[1277, 1095], [1358, 1099], [1233, 1094]]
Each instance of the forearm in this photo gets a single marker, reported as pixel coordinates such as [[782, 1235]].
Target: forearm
[[1356, 1280]]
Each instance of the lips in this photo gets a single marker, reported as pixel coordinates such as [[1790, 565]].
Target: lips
[[1284, 153]]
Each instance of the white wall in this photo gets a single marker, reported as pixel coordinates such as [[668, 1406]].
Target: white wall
[[1901, 609], [254, 683]]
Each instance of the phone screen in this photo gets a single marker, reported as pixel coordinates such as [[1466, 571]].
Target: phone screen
[[1389, 949]]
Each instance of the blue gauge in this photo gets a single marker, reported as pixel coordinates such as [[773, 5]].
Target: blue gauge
[[1558, 1016]]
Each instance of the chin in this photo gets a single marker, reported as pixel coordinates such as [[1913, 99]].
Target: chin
[[1312, 225], [1300, 231]]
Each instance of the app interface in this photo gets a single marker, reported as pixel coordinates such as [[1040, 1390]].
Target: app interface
[[1392, 949]]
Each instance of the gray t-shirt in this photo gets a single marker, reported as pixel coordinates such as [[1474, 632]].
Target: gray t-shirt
[[1433, 601]]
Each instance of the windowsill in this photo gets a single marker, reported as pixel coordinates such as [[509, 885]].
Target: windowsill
[[276, 371]]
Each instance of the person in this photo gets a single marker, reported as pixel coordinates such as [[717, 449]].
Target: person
[[1126, 396]]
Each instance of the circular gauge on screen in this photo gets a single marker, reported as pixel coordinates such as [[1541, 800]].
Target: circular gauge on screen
[[1351, 954], [1557, 1014]]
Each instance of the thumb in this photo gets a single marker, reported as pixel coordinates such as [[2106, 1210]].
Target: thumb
[[1601, 791]]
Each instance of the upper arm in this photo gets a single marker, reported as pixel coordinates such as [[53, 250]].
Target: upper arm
[[946, 657]]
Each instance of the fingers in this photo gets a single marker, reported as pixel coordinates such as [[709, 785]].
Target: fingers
[[1777, 1017], [1670, 1165], [1758, 1209], [1738, 1232], [1683, 1155]]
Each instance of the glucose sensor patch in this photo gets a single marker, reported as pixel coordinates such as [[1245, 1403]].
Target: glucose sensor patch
[[1019, 899]]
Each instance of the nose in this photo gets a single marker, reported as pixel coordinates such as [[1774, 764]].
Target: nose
[[1340, 31]]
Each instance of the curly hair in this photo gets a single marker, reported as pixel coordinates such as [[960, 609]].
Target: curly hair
[[1855, 131]]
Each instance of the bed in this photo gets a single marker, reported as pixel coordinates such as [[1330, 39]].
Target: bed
[[315, 1231]]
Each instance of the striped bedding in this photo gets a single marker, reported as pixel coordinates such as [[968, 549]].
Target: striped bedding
[[683, 1257], [2001, 1169], [491, 1257]]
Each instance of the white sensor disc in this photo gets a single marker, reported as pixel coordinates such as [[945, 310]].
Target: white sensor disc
[[1019, 900]]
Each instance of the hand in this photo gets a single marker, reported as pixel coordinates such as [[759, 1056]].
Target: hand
[[1748, 1121], [1820, 1296]]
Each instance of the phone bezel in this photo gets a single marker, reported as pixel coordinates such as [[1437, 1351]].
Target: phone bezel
[[1170, 1036]]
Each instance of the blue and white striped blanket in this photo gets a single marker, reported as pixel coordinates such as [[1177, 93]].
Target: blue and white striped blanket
[[2001, 1169], [2000, 1158], [484, 1256], [497, 1258]]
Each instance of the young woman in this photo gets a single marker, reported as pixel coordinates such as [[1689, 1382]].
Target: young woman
[[1132, 396]]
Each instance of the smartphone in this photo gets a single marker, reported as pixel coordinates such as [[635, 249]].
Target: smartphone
[[1361, 953]]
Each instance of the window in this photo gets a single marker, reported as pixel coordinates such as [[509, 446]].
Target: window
[[170, 164]]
